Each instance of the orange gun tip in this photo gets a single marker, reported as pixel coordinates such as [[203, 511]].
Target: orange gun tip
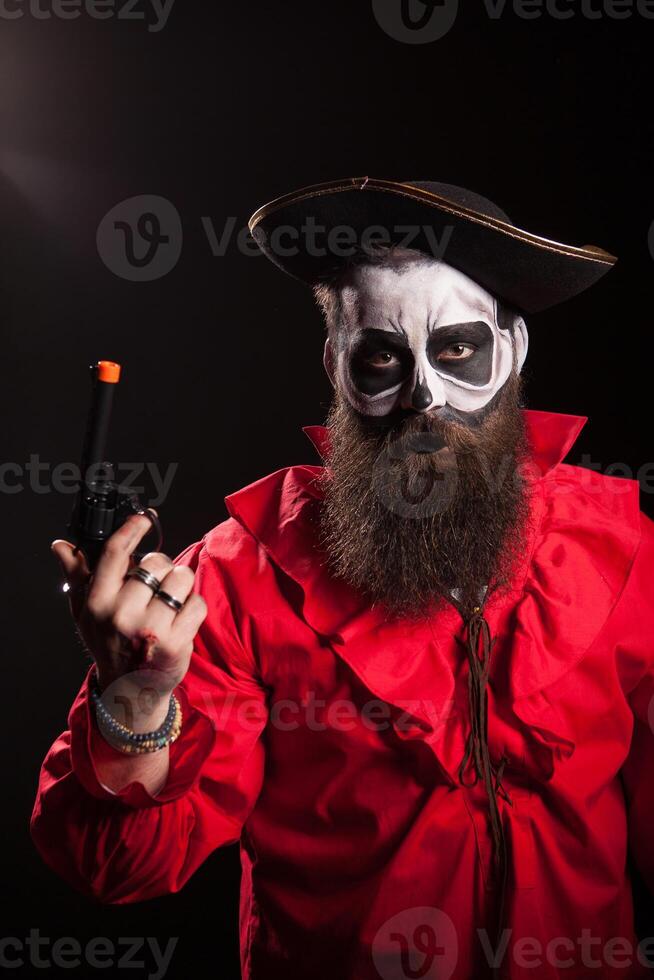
[[109, 372]]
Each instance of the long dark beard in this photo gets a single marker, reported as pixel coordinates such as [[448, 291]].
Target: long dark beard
[[427, 506]]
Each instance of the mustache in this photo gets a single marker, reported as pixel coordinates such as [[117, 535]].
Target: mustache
[[441, 427]]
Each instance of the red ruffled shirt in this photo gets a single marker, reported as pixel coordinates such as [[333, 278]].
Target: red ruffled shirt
[[327, 740]]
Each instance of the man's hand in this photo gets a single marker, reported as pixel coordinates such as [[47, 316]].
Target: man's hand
[[136, 640]]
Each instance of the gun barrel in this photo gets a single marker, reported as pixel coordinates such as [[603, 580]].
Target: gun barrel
[[106, 375]]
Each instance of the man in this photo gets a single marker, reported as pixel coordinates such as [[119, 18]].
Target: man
[[419, 693]]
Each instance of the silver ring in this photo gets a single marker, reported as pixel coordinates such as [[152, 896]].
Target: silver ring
[[143, 575], [169, 600]]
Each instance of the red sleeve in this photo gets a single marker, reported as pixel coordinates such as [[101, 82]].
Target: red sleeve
[[638, 771], [130, 846]]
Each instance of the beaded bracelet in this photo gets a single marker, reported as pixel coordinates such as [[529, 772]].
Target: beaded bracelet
[[126, 740]]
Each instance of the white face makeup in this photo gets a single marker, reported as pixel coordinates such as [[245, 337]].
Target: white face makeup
[[421, 335]]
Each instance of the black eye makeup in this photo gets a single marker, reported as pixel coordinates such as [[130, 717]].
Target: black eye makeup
[[379, 361], [463, 350]]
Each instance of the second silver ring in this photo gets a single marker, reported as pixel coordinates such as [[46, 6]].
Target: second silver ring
[[169, 600]]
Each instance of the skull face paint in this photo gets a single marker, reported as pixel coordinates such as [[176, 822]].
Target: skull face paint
[[421, 335]]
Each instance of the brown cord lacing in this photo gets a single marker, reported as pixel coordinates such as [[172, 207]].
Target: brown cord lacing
[[478, 635]]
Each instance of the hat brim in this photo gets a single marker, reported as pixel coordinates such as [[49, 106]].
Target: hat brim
[[310, 233]]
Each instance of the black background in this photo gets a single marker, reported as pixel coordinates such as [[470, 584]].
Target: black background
[[225, 108]]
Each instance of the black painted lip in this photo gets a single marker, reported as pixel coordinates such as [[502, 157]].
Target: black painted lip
[[422, 443]]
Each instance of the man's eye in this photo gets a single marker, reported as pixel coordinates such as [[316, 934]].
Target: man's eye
[[456, 352], [382, 359]]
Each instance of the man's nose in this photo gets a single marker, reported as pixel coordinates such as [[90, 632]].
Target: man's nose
[[421, 397], [424, 393]]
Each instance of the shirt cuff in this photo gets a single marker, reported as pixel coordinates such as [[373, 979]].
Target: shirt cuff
[[187, 753]]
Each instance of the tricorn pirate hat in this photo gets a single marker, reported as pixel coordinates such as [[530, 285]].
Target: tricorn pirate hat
[[311, 232]]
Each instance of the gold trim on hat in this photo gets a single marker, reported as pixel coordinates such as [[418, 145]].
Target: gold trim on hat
[[590, 253]]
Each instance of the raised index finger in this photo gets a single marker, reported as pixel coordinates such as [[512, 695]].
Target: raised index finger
[[114, 563]]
